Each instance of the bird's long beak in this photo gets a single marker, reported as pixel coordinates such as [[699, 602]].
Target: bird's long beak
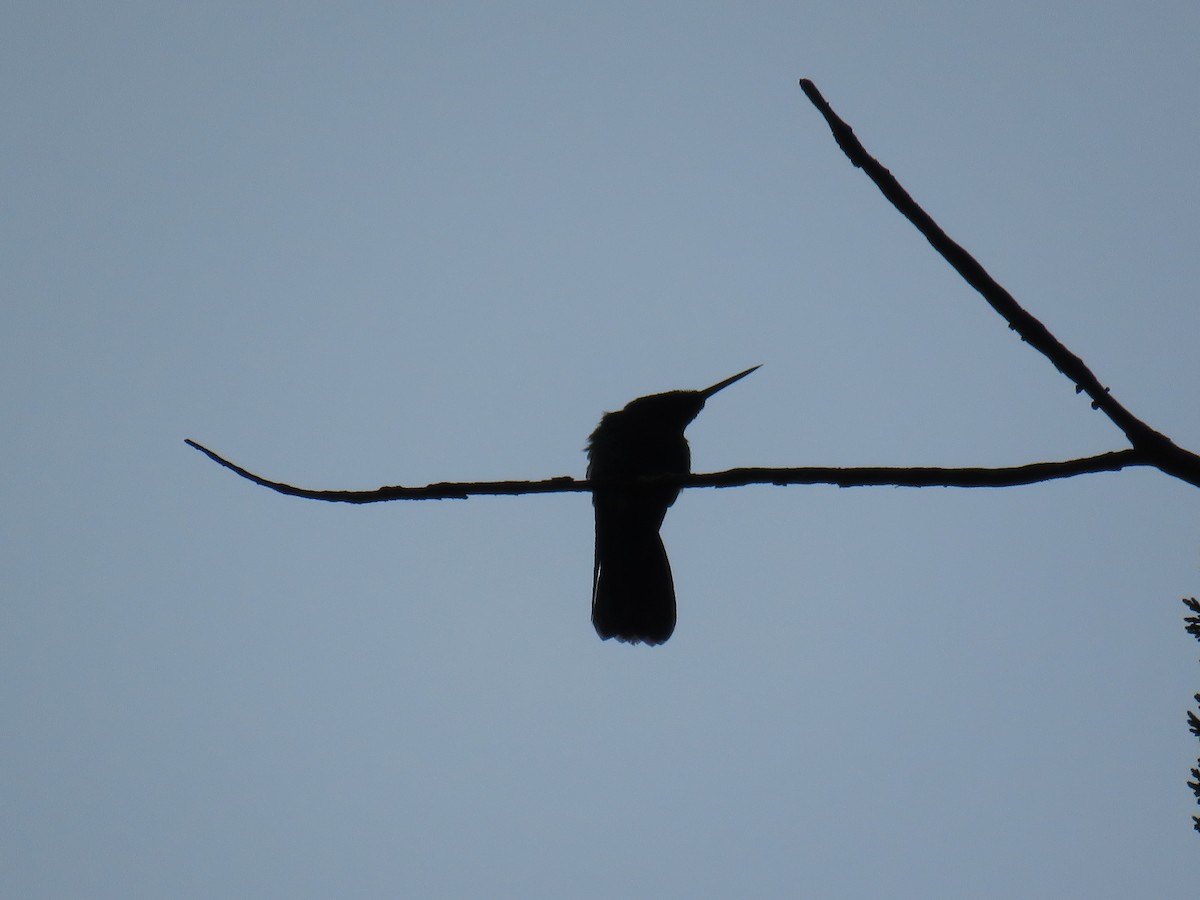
[[708, 392]]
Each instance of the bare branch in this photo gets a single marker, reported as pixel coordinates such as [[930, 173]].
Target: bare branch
[[1150, 448], [921, 476], [1169, 457], [898, 476]]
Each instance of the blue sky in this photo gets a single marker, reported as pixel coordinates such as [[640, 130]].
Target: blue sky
[[376, 244]]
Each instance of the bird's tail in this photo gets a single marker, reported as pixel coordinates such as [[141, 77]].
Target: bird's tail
[[633, 595]]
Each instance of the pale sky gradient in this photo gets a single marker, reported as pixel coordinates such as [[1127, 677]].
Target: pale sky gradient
[[362, 244]]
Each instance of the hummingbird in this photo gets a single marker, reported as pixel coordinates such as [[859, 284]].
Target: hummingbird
[[633, 596]]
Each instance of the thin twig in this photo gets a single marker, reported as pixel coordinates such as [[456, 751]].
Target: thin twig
[[442, 490]]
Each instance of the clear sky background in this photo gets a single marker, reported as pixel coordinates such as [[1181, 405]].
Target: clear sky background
[[362, 244]]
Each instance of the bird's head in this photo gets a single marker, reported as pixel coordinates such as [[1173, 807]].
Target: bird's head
[[674, 410]]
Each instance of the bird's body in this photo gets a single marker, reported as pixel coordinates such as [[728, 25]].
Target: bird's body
[[633, 595]]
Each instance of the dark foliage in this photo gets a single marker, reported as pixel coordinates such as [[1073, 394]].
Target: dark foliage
[[1193, 628]]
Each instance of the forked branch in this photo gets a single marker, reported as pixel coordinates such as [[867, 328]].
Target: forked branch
[[1166, 455], [1149, 447]]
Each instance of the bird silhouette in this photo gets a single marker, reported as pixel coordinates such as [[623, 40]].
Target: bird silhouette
[[633, 596]]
